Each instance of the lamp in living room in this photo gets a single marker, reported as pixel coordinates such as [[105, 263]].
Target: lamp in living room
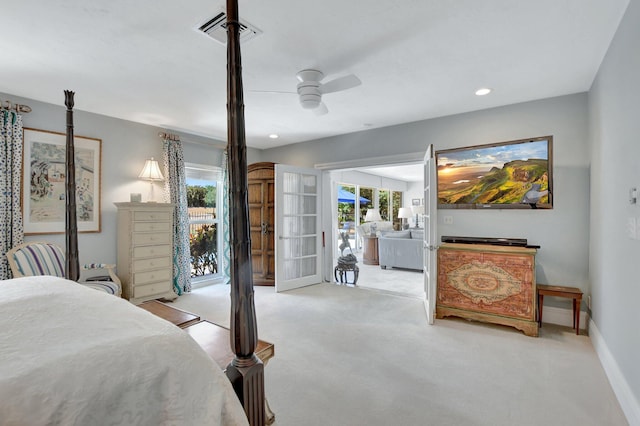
[[373, 215], [405, 213], [417, 210], [151, 172]]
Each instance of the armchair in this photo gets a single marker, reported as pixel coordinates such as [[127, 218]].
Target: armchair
[[37, 258]]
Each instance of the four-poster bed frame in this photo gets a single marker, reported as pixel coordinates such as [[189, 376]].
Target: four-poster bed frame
[[246, 371]]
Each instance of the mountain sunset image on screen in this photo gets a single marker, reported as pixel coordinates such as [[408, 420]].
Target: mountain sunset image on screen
[[513, 174]]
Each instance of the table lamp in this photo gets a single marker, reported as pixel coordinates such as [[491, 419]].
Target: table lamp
[[417, 210], [372, 215], [151, 172], [404, 213]]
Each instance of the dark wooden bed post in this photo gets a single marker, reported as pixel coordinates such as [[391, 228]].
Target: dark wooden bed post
[[246, 371], [72, 267]]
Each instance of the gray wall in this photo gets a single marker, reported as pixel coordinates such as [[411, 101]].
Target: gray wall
[[562, 233], [125, 146], [615, 167]]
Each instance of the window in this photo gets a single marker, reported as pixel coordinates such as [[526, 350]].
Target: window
[[204, 201]]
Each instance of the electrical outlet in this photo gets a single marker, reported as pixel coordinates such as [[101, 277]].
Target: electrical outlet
[[448, 220], [589, 302]]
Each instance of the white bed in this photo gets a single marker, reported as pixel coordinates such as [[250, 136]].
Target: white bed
[[70, 355]]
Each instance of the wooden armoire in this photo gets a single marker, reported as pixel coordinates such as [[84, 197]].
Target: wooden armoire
[[261, 219]]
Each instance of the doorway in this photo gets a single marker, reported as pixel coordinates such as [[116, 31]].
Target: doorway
[[376, 180]]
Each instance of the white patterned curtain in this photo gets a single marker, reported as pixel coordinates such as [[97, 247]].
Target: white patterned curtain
[[175, 192], [11, 231], [226, 246]]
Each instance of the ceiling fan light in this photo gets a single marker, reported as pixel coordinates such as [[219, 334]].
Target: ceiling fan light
[[310, 101]]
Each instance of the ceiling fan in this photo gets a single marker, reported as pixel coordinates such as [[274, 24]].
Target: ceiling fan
[[311, 88]]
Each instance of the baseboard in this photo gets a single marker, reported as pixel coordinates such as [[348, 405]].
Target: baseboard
[[626, 398], [562, 316]]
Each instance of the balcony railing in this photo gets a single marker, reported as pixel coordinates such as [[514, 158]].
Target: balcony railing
[[203, 241]]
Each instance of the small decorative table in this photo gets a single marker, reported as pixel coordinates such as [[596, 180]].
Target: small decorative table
[[341, 273]]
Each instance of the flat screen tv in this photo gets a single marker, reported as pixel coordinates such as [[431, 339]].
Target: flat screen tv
[[506, 175]]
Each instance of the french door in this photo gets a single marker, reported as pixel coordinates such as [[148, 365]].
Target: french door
[[298, 228], [430, 234]]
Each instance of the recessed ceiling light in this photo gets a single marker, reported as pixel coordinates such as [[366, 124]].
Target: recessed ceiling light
[[483, 91], [273, 136]]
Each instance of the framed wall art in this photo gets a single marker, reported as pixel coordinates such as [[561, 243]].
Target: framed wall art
[[43, 182]]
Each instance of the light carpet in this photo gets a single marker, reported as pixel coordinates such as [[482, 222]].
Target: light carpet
[[348, 356]]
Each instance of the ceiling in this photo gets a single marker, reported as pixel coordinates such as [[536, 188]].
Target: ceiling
[[145, 60], [405, 172]]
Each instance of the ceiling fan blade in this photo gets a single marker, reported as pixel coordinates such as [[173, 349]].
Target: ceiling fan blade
[[321, 110], [341, 83], [277, 92]]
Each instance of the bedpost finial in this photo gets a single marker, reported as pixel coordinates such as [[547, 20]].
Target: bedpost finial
[[68, 98]]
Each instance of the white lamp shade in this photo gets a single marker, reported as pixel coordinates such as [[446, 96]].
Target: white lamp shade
[[372, 215], [417, 209], [405, 213], [151, 171]]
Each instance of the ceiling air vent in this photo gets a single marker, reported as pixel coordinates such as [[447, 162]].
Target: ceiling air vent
[[216, 28]]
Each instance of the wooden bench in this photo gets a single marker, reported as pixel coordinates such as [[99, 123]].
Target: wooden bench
[[573, 293]]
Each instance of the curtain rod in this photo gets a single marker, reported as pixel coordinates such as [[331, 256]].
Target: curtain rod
[[169, 136], [16, 107], [174, 137]]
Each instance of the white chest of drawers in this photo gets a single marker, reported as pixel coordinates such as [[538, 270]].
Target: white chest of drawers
[[145, 251]]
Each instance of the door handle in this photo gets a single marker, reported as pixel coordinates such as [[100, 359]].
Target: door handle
[[431, 247]]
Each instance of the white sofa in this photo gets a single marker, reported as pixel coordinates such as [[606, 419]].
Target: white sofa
[[401, 249], [364, 230]]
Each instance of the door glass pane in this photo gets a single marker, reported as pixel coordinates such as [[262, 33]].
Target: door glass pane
[[308, 266], [291, 269], [309, 245], [203, 194], [309, 204], [308, 225], [291, 226], [309, 184], [290, 182]]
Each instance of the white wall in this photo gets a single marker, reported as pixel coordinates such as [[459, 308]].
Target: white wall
[[615, 167], [562, 233]]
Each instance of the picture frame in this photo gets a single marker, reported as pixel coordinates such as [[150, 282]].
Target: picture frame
[[43, 182], [415, 201]]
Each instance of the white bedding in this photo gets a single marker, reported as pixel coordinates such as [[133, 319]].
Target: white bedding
[[70, 355]]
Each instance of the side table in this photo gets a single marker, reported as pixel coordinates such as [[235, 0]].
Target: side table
[[370, 251], [573, 293]]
